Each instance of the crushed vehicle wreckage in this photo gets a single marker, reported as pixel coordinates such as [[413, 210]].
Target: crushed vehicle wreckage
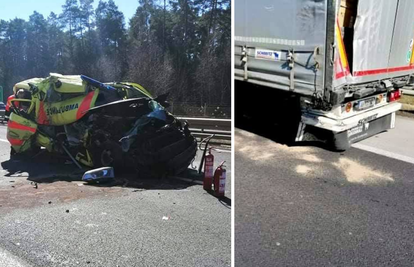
[[99, 124]]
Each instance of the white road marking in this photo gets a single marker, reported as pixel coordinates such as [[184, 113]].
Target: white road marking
[[2, 140], [384, 153]]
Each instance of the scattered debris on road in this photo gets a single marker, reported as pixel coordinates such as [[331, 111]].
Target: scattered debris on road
[[100, 175], [138, 190]]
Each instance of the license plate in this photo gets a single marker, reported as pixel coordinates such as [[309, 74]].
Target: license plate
[[364, 104]]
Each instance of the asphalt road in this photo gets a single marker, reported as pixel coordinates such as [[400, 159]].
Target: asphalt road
[[307, 206], [398, 143], [132, 223]]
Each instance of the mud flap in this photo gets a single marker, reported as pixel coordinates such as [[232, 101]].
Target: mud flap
[[344, 140]]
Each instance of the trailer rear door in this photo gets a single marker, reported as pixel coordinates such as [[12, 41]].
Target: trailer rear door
[[401, 56], [383, 40]]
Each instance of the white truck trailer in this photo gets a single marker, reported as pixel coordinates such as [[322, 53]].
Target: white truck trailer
[[344, 61]]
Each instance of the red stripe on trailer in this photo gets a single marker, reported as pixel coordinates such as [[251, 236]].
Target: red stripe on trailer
[[381, 71], [340, 75]]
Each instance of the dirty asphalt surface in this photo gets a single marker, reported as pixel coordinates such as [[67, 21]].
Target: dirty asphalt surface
[[308, 206], [128, 223]]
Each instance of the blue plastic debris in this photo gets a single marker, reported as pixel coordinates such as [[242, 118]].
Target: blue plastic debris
[[100, 175]]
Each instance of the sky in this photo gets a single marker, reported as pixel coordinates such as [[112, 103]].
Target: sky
[[10, 9]]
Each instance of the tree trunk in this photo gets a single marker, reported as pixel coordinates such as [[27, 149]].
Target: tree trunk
[[163, 31]]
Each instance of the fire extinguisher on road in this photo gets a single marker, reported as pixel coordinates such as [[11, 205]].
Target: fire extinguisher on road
[[220, 180], [208, 171]]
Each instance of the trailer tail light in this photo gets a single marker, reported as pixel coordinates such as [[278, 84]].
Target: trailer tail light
[[394, 95], [398, 94], [348, 107]]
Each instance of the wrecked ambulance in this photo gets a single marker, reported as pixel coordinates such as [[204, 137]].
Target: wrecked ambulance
[[97, 124]]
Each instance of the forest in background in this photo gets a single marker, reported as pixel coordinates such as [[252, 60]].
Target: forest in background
[[181, 46]]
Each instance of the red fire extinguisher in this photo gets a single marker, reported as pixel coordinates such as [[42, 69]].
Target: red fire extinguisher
[[208, 171], [220, 180]]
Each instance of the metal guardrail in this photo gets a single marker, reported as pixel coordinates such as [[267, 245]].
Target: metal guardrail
[[202, 127], [204, 123]]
